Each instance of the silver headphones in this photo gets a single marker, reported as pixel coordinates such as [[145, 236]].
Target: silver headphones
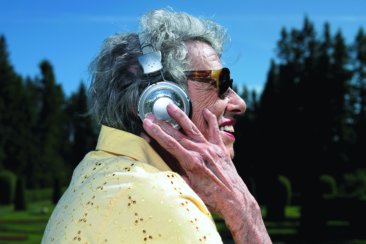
[[159, 92]]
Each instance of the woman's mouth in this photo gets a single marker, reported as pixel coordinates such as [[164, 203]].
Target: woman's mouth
[[228, 129]]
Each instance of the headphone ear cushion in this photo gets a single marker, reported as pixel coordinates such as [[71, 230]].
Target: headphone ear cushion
[[156, 97], [159, 108]]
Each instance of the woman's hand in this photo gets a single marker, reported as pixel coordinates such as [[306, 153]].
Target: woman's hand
[[211, 173]]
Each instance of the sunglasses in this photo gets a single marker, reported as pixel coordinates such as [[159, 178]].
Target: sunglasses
[[220, 78]]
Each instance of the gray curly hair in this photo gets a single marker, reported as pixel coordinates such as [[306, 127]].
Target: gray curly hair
[[117, 80]]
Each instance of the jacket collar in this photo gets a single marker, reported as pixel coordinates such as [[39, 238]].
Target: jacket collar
[[123, 143]]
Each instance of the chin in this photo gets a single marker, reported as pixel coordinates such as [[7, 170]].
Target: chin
[[230, 150], [232, 154]]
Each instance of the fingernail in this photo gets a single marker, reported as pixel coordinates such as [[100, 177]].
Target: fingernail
[[149, 116], [172, 107], [147, 122]]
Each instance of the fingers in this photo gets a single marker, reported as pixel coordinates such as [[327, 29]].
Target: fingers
[[213, 127], [171, 131], [196, 158], [176, 144], [186, 123], [163, 138]]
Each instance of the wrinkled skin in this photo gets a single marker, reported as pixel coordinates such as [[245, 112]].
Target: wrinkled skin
[[204, 153]]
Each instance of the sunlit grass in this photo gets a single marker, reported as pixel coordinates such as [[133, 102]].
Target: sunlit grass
[[24, 227]]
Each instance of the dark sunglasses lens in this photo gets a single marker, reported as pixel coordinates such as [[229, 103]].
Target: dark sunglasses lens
[[225, 82]]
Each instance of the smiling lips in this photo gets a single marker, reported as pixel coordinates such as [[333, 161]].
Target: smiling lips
[[228, 128]]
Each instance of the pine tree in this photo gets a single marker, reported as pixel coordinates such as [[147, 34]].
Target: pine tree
[[82, 131], [33, 167], [51, 127], [359, 157], [340, 109], [5, 71], [15, 116]]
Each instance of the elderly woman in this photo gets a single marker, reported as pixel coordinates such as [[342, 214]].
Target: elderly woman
[[165, 149]]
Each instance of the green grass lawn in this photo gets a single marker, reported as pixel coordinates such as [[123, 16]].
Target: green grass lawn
[[24, 227]]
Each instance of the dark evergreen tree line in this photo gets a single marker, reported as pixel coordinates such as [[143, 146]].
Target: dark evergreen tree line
[[308, 122], [43, 133]]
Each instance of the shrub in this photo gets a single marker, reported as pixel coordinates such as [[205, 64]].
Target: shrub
[[280, 196], [7, 185], [38, 195], [355, 184], [286, 183], [330, 188]]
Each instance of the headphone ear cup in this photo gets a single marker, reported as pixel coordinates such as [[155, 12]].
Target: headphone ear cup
[[156, 97]]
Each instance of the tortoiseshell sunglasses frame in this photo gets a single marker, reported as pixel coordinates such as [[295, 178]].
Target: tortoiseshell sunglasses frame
[[220, 78]]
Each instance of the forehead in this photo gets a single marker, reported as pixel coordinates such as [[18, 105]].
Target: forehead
[[202, 56]]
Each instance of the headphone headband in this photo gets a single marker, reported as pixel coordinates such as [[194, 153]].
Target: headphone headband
[[150, 60]]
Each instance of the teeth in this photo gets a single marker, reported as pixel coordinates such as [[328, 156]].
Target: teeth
[[228, 128]]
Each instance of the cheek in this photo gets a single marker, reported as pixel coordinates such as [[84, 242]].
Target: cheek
[[209, 101], [198, 105], [203, 97]]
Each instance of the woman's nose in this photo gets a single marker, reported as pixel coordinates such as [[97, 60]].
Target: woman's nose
[[236, 104]]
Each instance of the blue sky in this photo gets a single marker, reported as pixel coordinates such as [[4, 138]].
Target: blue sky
[[69, 33]]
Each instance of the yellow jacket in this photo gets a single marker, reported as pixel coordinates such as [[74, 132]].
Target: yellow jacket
[[125, 193]]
